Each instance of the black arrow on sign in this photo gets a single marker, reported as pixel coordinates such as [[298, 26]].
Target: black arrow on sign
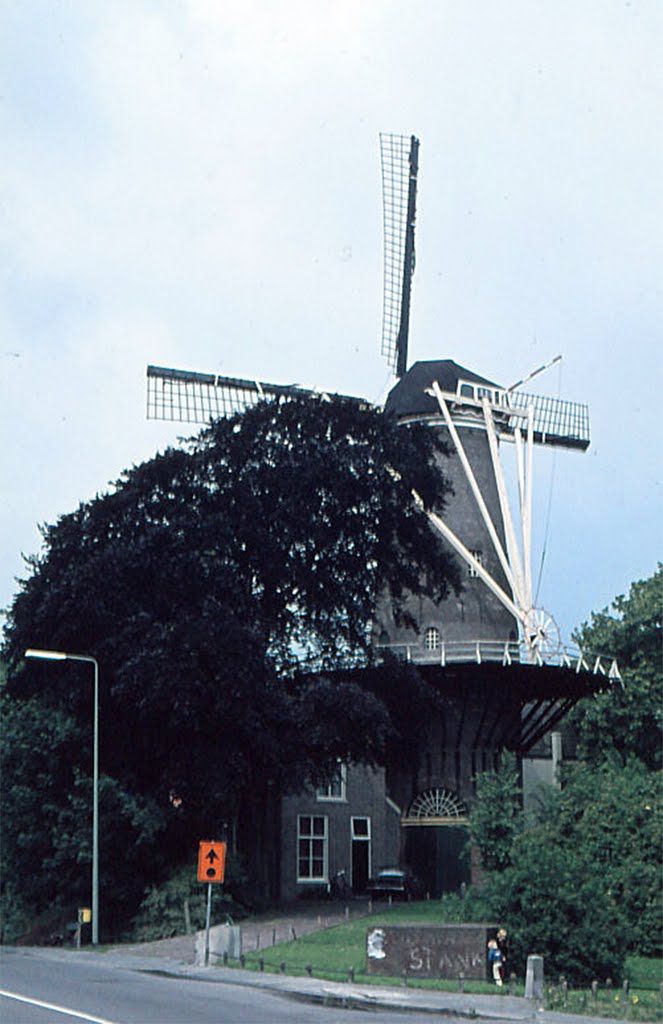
[[211, 856]]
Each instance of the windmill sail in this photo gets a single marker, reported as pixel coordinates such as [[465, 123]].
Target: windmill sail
[[555, 421], [400, 165], [183, 396]]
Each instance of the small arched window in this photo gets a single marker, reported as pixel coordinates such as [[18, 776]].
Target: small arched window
[[432, 639]]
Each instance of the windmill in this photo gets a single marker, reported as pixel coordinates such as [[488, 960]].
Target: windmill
[[503, 677], [460, 401]]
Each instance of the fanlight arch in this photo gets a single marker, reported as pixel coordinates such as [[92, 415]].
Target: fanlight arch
[[436, 806]]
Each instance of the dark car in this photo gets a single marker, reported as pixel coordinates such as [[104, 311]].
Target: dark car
[[399, 883]]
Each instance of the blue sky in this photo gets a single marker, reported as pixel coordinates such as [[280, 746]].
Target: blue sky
[[197, 184]]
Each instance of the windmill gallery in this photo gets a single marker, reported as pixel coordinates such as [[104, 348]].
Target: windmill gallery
[[504, 677]]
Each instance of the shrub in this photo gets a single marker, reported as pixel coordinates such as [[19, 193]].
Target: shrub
[[555, 905], [496, 817], [471, 905], [162, 913]]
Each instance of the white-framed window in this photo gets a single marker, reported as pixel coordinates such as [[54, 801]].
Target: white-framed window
[[477, 392], [471, 571], [361, 829], [312, 838], [432, 639], [335, 788]]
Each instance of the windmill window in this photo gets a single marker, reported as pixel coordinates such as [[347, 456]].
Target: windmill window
[[471, 570], [432, 639]]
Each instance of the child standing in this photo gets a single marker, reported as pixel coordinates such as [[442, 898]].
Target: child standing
[[495, 961]]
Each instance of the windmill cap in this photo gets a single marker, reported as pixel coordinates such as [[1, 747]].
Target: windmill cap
[[409, 397]]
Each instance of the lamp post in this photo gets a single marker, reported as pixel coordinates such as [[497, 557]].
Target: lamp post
[[63, 656]]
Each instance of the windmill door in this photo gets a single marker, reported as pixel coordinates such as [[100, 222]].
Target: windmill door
[[438, 857]]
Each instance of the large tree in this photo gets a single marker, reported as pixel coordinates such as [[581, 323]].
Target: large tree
[[627, 721], [202, 582]]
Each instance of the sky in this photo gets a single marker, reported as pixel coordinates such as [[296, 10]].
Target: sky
[[196, 184]]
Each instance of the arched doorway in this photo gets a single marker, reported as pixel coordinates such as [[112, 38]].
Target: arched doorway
[[435, 834]]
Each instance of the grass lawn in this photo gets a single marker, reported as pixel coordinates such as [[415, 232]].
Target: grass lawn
[[339, 952], [642, 1001]]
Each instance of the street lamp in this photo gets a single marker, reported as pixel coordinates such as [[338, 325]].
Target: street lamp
[[62, 656]]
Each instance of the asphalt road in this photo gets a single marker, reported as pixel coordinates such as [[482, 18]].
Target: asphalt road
[[39, 986]]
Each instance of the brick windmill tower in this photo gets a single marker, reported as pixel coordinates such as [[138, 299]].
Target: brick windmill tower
[[503, 676]]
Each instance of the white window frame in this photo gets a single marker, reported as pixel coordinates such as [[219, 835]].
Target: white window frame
[[432, 639], [310, 837], [363, 838], [471, 571], [336, 790]]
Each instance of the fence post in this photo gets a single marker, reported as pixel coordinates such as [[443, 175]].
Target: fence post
[[534, 978]]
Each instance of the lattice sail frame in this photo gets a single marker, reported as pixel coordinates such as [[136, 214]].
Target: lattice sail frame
[[400, 163], [183, 396], [556, 421]]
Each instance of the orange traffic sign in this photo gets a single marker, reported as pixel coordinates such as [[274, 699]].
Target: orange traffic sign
[[211, 861]]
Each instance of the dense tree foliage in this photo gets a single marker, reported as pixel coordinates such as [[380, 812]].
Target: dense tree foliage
[[581, 883], [628, 721], [46, 795], [201, 583], [496, 816]]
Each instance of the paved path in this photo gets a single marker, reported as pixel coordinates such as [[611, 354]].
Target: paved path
[[258, 933]]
